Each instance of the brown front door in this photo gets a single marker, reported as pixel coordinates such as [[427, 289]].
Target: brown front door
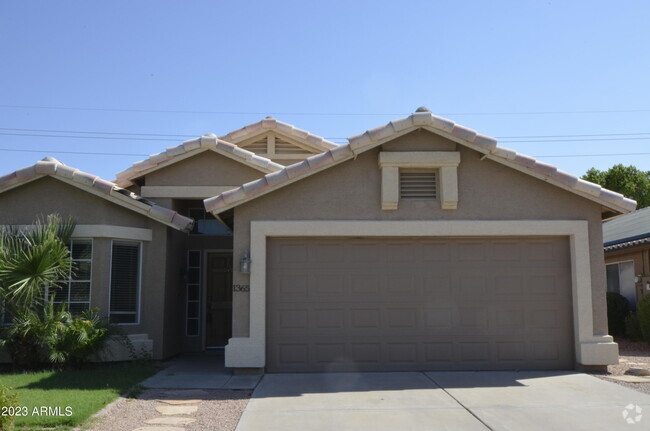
[[219, 300]]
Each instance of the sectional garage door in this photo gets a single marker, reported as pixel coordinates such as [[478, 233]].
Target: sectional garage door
[[348, 304]]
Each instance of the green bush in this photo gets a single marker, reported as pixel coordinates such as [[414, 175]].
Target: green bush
[[643, 313], [618, 308], [632, 328], [7, 399], [53, 336]]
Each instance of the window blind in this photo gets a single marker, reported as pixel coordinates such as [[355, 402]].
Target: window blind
[[125, 282]]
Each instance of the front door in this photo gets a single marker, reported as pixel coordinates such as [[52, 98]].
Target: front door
[[219, 299]]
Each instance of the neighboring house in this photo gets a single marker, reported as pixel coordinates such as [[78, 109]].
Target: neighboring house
[[627, 255], [419, 245]]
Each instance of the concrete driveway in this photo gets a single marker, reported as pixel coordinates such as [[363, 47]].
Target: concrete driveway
[[442, 401]]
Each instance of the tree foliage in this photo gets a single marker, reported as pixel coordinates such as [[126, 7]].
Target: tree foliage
[[33, 259], [627, 180]]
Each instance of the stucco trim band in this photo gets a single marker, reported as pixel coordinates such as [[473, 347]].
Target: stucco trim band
[[102, 231], [185, 192], [111, 231], [590, 348]]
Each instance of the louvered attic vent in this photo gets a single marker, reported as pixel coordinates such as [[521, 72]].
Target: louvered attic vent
[[257, 147], [418, 184], [283, 147]]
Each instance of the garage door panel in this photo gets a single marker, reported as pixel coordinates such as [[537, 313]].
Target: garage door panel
[[443, 304]]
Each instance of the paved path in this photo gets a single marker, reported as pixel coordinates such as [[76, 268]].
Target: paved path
[[192, 392], [174, 410], [443, 401], [201, 371]]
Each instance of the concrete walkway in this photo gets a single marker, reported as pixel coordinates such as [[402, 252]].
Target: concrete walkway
[[200, 371], [443, 401]]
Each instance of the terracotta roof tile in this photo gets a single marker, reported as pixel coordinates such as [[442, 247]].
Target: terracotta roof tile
[[277, 177], [463, 133], [85, 181], [486, 142], [297, 169], [588, 187], [442, 124], [254, 187], [26, 174], [524, 160], [192, 144], [566, 178], [234, 195], [506, 153], [402, 124], [543, 168], [422, 119], [320, 160]]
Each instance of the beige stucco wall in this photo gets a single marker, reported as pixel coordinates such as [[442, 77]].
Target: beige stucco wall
[[487, 191], [204, 169], [47, 195]]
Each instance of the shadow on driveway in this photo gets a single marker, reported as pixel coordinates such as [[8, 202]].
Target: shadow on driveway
[[531, 400]]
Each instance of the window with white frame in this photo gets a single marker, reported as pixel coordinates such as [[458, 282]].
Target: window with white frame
[[620, 279], [193, 293], [207, 224], [125, 282], [75, 290]]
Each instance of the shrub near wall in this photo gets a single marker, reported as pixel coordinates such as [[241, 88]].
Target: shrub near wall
[[643, 313], [618, 309], [8, 402]]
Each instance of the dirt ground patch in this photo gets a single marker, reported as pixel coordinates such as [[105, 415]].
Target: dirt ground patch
[[631, 354], [218, 410]]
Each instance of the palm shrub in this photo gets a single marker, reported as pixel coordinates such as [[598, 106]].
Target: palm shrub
[[83, 337], [51, 335], [32, 260]]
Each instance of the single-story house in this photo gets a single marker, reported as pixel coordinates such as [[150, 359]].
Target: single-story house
[[627, 255], [418, 245]]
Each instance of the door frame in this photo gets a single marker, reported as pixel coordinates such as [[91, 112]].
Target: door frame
[[590, 348], [204, 291]]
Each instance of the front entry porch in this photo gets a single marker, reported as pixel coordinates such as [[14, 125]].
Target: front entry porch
[[203, 370]]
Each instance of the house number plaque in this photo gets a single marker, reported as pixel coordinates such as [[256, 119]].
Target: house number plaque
[[241, 288]]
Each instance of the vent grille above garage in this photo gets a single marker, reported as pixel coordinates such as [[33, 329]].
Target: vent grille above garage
[[418, 184]]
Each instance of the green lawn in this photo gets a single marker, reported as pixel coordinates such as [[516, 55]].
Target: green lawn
[[84, 391]]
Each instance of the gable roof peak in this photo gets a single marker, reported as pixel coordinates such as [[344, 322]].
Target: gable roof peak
[[440, 126], [270, 124], [191, 147], [50, 159], [93, 184]]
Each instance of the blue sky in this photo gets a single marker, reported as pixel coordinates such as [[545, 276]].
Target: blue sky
[[504, 68]]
